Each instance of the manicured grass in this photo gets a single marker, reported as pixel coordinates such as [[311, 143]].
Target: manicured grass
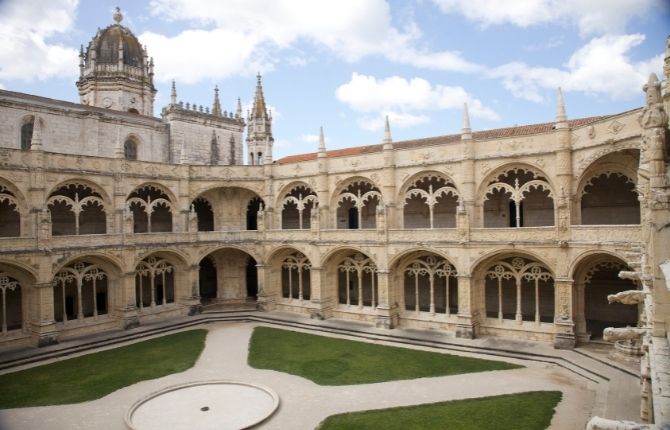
[[525, 411], [331, 361], [95, 375]]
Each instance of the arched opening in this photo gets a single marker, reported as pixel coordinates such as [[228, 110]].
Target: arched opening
[[430, 202], [357, 206], [151, 209], [77, 209], [357, 281], [430, 285], [135, 111], [297, 208], [12, 312], [154, 283], [10, 217], [130, 149], [610, 198], [597, 278], [205, 214], [27, 133], [518, 288], [295, 277], [252, 279], [80, 291], [207, 280], [254, 206], [518, 198]]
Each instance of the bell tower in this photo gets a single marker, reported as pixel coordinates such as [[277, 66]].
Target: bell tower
[[259, 130], [115, 71]]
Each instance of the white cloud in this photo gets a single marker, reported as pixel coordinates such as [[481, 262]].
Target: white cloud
[[25, 29], [590, 17], [601, 67], [243, 36], [403, 100]]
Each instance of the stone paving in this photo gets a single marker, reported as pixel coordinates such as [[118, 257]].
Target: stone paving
[[303, 404]]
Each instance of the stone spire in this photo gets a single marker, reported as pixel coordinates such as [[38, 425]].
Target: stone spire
[[118, 16], [259, 109], [81, 60], [173, 94], [322, 141], [216, 107], [36, 140], [466, 131], [238, 112], [387, 131], [561, 117]]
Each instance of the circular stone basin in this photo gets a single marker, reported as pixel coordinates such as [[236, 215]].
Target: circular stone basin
[[203, 405]]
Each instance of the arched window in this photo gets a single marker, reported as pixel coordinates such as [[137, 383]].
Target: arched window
[[80, 291], [27, 134], [154, 283], [152, 210], [431, 286], [76, 209], [295, 277], [130, 150], [357, 281], [357, 206], [297, 208]]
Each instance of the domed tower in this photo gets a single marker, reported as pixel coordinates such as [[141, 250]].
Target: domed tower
[[116, 72]]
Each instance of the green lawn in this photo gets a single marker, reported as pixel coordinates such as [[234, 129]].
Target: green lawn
[[95, 375], [525, 411], [331, 361]]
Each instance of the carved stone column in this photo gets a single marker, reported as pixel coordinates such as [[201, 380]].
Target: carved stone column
[[468, 324], [564, 337], [187, 288], [320, 297], [43, 325], [579, 312], [126, 308], [266, 298], [387, 312]]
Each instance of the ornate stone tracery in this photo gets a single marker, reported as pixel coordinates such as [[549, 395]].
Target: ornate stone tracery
[[357, 266], [431, 190], [151, 204], [299, 264], [79, 199], [81, 274], [432, 268], [359, 196], [157, 271], [299, 199], [7, 283]]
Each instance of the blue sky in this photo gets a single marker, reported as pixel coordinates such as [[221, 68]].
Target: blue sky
[[345, 64]]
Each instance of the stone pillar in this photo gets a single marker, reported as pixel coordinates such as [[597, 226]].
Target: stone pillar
[[126, 308], [564, 337], [320, 298], [468, 325], [387, 310], [43, 325], [578, 312], [266, 298], [388, 186], [187, 290]]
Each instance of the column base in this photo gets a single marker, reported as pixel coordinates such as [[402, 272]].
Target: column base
[[130, 322], [387, 317], [322, 310], [44, 333], [466, 331], [565, 336], [265, 303], [194, 309]]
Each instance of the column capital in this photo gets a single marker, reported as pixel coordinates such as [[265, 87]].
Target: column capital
[[49, 284]]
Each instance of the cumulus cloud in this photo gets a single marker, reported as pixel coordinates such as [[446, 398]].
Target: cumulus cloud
[[403, 100], [600, 67], [590, 17], [25, 29], [242, 36]]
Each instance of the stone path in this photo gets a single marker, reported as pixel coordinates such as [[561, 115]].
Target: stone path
[[304, 404]]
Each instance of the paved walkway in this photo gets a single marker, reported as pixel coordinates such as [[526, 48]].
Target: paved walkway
[[305, 404]]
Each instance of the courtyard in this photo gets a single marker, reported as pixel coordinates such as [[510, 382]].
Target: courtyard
[[303, 404]]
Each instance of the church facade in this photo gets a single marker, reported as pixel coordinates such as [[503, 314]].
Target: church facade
[[111, 218]]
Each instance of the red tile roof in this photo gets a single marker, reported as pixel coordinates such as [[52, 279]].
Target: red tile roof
[[522, 130]]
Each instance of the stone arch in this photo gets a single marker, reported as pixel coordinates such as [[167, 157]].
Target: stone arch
[[429, 200], [353, 275], [16, 286], [425, 283], [230, 206], [517, 195], [297, 204], [152, 207], [78, 207], [204, 213], [607, 191], [355, 201], [514, 285], [160, 278], [13, 211], [232, 278], [85, 288], [290, 271], [595, 276]]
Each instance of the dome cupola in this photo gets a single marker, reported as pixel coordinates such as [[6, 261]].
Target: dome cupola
[[116, 71]]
